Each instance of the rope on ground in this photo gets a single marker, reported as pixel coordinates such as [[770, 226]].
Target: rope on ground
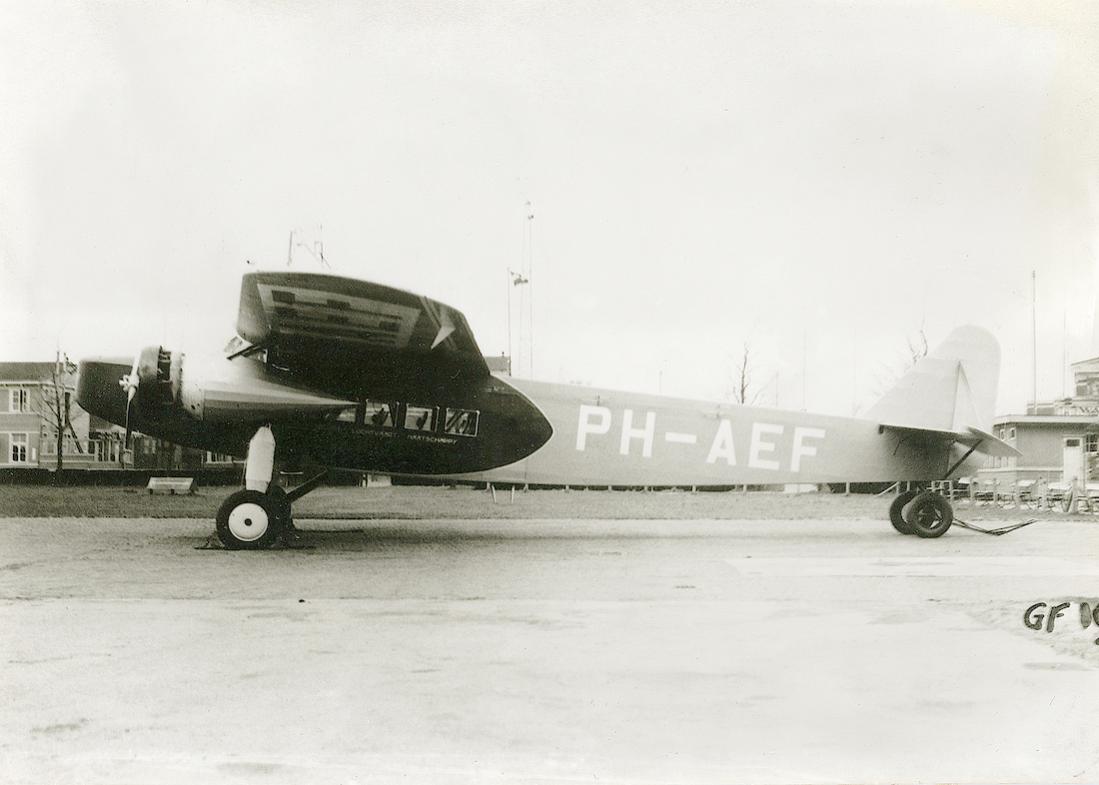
[[994, 532]]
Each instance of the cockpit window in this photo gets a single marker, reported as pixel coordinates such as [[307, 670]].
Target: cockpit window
[[379, 414], [462, 422], [348, 414], [419, 418]]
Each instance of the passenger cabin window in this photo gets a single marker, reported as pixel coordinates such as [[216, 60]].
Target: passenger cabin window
[[462, 422], [419, 418], [380, 414]]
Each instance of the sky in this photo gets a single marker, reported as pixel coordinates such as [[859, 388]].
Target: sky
[[819, 181]]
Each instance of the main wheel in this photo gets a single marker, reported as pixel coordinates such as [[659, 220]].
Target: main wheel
[[930, 515], [896, 512], [248, 520]]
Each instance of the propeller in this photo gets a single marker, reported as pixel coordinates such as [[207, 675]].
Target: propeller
[[129, 383]]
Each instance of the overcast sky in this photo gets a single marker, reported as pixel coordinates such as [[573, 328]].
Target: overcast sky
[[818, 179]]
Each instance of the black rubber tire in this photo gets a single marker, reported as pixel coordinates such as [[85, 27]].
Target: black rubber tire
[[896, 511], [282, 505], [266, 522], [930, 515]]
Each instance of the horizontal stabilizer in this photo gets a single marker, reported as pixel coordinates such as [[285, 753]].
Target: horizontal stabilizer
[[982, 441], [990, 445]]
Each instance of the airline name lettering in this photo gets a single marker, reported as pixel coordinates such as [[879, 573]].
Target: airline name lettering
[[639, 434]]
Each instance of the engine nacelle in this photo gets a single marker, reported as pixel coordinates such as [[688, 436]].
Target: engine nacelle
[[222, 390]]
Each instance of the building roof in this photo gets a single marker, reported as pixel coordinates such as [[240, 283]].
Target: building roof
[[1046, 419], [27, 371]]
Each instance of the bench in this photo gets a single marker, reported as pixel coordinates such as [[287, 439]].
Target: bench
[[172, 485]]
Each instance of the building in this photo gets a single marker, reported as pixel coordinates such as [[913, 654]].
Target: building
[[28, 424], [1059, 440], [501, 364]]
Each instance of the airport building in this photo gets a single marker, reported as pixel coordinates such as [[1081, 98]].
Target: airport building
[[29, 392], [1059, 440]]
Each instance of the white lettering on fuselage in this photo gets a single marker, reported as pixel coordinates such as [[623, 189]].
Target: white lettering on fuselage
[[723, 445], [646, 433], [586, 425], [758, 446], [801, 449], [767, 447]]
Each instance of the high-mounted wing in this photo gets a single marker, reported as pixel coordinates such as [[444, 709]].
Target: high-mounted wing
[[310, 322]]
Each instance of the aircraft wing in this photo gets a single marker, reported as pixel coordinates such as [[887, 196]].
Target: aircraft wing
[[982, 441], [314, 323]]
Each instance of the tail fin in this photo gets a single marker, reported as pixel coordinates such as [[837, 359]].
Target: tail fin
[[953, 388]]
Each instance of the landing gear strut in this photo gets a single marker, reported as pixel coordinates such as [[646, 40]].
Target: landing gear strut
[[926, 514], [260, 515]]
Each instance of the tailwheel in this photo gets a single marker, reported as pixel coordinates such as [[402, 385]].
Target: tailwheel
[[249, 520], [897, 511], [929, 515]]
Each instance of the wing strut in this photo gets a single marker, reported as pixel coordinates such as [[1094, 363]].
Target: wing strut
[[961, 460]]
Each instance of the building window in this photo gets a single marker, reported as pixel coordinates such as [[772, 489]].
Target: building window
[[1091, 442], [1011, 432], [17, 400], [419, 418], [462, 422], [1001, 432], [19, 448]]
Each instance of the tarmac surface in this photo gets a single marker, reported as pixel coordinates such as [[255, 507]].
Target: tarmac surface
[[546, 651]]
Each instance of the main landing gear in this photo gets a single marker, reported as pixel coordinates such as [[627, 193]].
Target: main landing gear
[[260, 515], [923, 513]]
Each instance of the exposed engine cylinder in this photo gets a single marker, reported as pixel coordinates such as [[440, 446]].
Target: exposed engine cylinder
[[159, 374]]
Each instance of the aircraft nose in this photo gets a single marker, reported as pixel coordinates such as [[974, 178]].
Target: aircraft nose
[[98, 390]]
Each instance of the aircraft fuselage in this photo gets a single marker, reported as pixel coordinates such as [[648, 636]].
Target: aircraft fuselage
[[512, 430]]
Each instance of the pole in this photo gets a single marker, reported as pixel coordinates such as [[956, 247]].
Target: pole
[[509, 321], [530, 278], [1034, 334], [804, 367], [1064, 353]]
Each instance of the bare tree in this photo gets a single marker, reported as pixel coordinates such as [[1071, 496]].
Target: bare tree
[[890, 372], [917, 349], [742, 391], [55, 406]]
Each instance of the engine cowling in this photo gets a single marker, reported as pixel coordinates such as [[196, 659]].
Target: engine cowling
[[218, 389]]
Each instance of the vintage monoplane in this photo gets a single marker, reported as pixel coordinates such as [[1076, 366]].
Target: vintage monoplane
[[335, 372]]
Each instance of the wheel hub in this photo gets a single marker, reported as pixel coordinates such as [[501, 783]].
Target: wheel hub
[[248, 522]]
